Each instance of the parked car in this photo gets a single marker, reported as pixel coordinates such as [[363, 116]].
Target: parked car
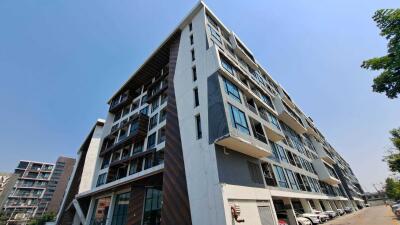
[[348, 209], [303, 221], [341, 212], [331, 214], [367, 205], [314, 218], [283, 219], [323, 216], [397, 213]]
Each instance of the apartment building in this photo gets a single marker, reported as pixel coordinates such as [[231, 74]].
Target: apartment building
[[7, 181], [58, 183], [27, 195], [202, 134], [38, 189]]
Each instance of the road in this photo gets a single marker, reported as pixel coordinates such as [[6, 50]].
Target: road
[[378, 215]]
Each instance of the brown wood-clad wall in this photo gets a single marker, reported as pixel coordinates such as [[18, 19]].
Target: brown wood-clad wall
[[136, 201], [176, 208]]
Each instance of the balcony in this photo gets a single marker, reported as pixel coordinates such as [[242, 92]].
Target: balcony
[[117, 105], [289, 117], [325, 172], [156, 89], [245, 144], [273, 131], [139, 125], [323, 153]]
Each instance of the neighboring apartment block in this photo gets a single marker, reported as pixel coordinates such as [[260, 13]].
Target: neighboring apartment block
[[38, 186], [7, 181], [202, 134]]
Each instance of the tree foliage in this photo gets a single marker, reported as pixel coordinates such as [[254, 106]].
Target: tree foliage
[[388, 21], [393, 188], [47, 217], [3, 218], [393, 158]]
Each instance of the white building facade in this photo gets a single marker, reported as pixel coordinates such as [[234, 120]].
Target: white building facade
[[200, 132]]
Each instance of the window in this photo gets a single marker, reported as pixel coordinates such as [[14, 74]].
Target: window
[[196, 97], [151, 141], [273, 120], [138, 147], [153, 121], [144, 99], [135, 166], [164, 98], [190, 27], [161, 135], [145, 110], [193, 56], [292, 180], [117, 115], [232, 90], [305, 180], [191, 39], [267, 100], [280, 174], [163, 115], [100, 211], [120, 209], [228, 67], [101, 179], [268, 174], [255, 174], [198, 127], [194, 73], [215, 34], [148, 161], [152, 207], [154, 105], [239, 119], [281, 152], [275, 154], [300, 182], [106, 161]]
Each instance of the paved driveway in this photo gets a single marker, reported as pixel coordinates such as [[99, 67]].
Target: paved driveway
[[378, 215]]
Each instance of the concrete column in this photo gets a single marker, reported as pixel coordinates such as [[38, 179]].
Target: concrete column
[[306, 205], [333, 206], [290, 212], [354, 205], [340, 204], [317, 205], [327, 205]]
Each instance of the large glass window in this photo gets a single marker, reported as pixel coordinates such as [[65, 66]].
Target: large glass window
[[120, 209], [100, 211], [101, 179], [239, 119], [232, 90], [280, 174], [273, 120], [292, 180], [281, 152], [152, 207], [228, 67], [151, 141]]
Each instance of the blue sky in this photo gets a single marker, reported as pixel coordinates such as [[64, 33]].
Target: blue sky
[[60, 61]]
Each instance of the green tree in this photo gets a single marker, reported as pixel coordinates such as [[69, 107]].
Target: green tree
[[393, 188], [388, 21], [393, 158], [3, 218], [47, 217]]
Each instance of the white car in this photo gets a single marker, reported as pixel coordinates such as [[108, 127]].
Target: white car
[[303, 221], [340, 212], [314, 218], [331, 214], [323, 216]]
